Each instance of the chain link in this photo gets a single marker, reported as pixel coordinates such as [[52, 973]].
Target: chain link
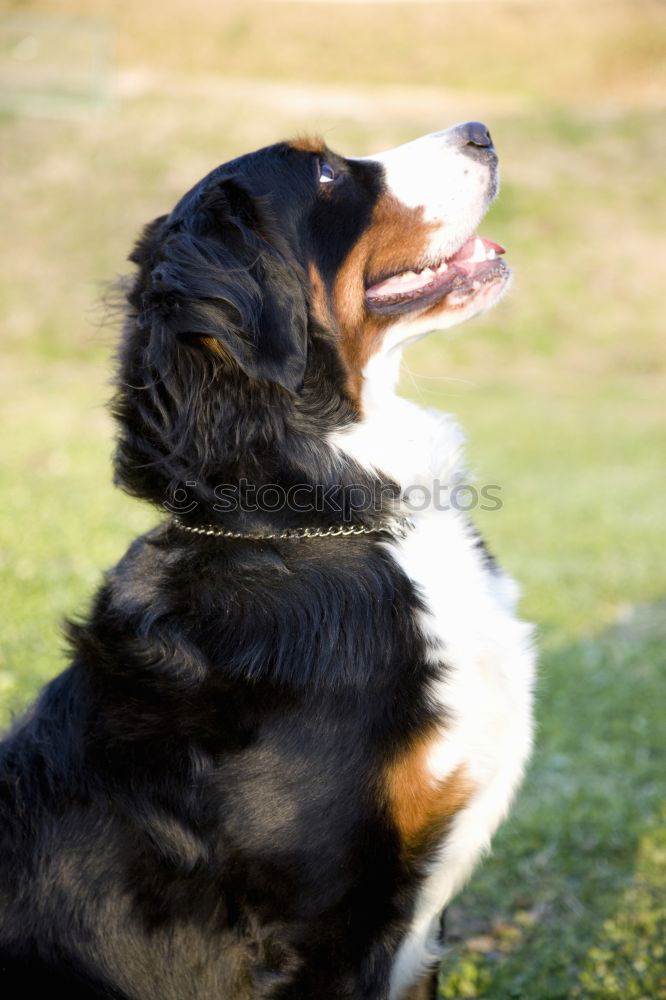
[[398, 528]]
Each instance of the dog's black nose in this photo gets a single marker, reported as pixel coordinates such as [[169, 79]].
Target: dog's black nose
[[474, 134]]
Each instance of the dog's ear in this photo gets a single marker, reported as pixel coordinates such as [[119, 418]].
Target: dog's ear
[[218, 274]]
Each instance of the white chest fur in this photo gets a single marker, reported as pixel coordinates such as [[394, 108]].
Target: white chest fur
[[484, 690]]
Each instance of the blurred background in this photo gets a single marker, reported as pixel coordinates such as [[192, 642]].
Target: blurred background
[[110, 110]]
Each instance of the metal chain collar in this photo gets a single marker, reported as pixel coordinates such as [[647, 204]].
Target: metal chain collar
[[398, 528]]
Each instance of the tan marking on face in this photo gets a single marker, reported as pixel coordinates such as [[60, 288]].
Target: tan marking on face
[[309, 144], [319, 305], [421, 807], [395, 241]]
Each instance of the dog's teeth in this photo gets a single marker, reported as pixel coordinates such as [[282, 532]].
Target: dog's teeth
[[478, 253]]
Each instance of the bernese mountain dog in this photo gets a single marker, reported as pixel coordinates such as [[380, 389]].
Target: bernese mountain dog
[[300, 706]]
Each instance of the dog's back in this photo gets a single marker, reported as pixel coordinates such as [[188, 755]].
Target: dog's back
[[194, 808]]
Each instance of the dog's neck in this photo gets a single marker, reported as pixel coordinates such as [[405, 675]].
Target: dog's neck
[[407, 443]]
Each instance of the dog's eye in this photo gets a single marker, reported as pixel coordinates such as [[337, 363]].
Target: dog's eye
[[327, 174]]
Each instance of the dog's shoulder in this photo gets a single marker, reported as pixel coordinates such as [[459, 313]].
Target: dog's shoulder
[[322, 613]]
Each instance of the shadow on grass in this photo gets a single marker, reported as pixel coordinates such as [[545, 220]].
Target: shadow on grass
[[572, 902]]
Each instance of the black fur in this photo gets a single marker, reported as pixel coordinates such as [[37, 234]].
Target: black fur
[[194, 808]]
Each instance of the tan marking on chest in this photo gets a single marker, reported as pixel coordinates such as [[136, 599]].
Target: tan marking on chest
[[425, 989], [421, 806]]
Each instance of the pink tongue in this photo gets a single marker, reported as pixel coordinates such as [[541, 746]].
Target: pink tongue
[[467, 249], [409, 281], [400, 284]]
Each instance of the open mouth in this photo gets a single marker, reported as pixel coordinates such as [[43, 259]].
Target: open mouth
[[461, 276]]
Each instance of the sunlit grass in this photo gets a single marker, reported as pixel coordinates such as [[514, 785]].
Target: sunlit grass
[[571, 904], [543, 52]]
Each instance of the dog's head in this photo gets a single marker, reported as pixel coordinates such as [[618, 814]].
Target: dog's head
[[292, 252]]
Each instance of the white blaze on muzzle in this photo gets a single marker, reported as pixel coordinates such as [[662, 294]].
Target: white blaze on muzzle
[[448, 178]]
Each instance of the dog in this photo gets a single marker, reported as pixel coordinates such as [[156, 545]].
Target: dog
[[298, 708]]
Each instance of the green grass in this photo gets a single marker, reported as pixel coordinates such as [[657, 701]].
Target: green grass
[[560, 389], [572, 902]]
